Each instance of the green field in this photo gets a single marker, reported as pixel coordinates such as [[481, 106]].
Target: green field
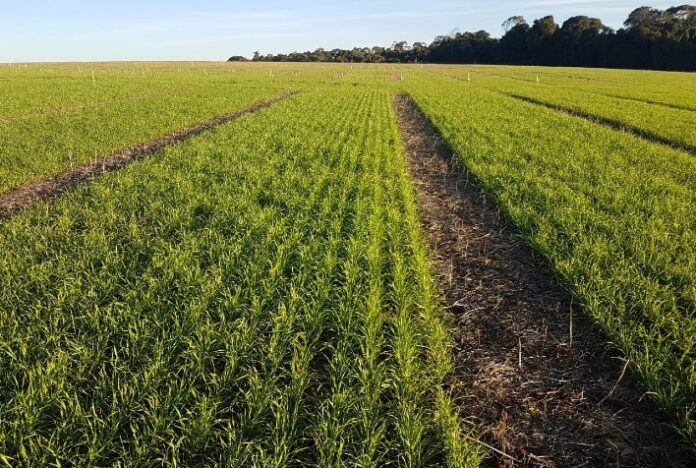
[[264, 293]]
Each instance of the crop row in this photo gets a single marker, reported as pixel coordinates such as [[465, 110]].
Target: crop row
[[55, 116], [47, 144], [659, 122], [660, 88], [612, 214], [29, 90], [260, 294], [663, 121], [34, 90]]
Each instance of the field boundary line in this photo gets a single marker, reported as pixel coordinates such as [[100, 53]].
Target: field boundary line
[[505, 305], [25, 195], [608, 123]]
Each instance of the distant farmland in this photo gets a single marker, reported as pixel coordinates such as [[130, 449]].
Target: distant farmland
[[365, 265]]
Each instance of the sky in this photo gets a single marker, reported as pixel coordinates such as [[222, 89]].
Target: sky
[[102, 30]]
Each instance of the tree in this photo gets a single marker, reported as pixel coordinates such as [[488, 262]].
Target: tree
[[513, 45], [684, 19], [319, 55], [646, 22], [513, 22], [579, 41], [652, 38], [400, 47], [540, 39], [577, 27], [419, 52], [544, 28]]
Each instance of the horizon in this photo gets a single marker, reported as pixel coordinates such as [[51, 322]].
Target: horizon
[[43, 32]]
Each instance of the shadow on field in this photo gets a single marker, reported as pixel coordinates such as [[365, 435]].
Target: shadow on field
[[537, 375]]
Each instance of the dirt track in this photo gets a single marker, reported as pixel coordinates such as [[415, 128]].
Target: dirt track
[[543, 396]]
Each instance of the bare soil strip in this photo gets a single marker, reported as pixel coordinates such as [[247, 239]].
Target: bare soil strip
[[537, 375], [613, 124], [27, 194]]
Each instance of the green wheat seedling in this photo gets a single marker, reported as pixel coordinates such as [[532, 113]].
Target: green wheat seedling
[[612, 213], [249, 297]]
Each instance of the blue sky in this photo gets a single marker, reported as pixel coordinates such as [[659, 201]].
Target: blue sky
[[82, 30]]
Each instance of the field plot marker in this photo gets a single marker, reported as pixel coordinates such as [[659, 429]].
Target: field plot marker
[[25, 195]]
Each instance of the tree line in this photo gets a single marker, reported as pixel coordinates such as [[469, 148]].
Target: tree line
[[650, 39]]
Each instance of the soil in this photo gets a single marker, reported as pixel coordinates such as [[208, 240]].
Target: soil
[[537, 377]]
